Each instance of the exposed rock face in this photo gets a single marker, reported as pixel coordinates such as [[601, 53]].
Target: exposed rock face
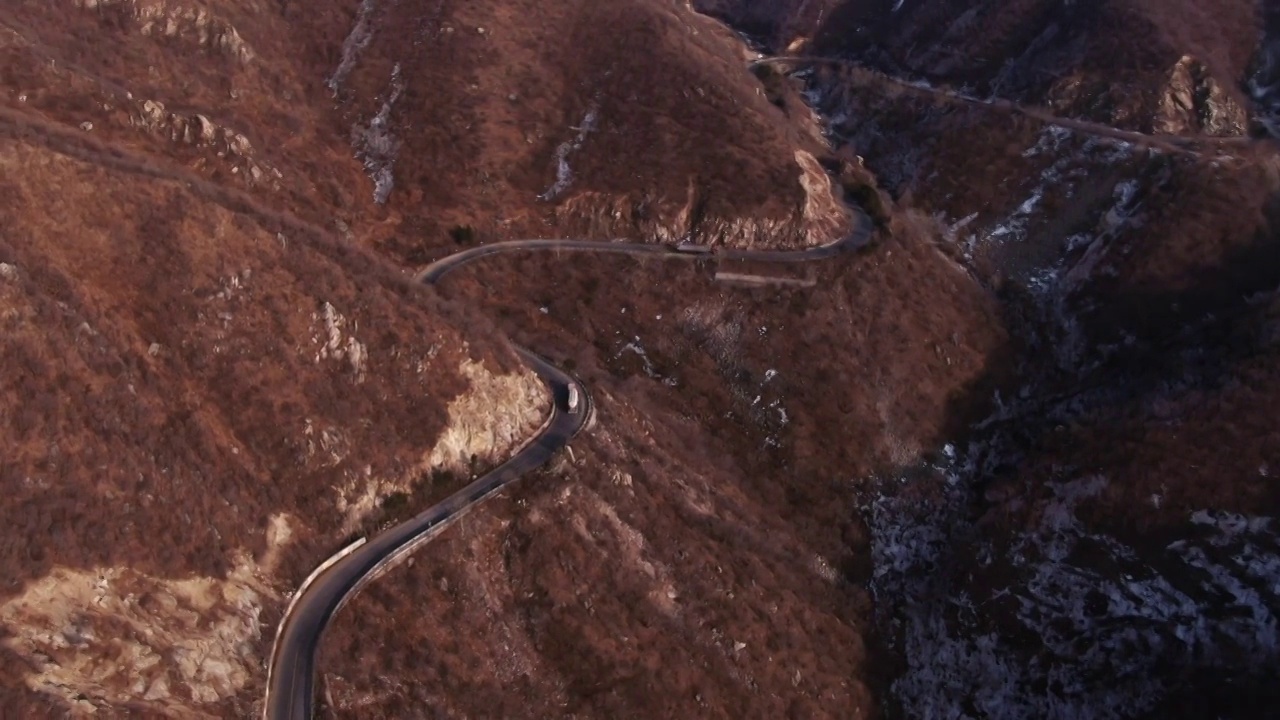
[[199, 131], [110, 637], [493, 416], [338, 342], [825, 213], [174, 20], [821, 218], [1194, 102], [623, 138]]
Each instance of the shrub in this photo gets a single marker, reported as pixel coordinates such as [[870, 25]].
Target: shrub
[[462, 234], [773, 81], [869, 198], [395, 503]]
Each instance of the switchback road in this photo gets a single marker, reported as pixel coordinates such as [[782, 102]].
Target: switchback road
[[291, 669], [291, 674]]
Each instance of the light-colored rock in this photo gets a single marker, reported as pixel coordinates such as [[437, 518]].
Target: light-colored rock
[[820, 219], [238, 144], [208, 131], [1195, 102], [180, 21], [824, 215], [199, 130], [113, 635], [339, 346], [153, 113], [493, 416], [488, 421]]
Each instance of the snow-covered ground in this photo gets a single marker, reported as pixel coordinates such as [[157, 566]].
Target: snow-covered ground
[[376, 145], [1006, 602], [1076, 624], [1264, 85], [564, 173]]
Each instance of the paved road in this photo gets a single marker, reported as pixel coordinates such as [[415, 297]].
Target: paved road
[[290, 682], [290, 677], [857, 238]]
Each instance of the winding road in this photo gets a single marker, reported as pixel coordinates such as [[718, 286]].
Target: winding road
[[291, 672], [1188, 144]]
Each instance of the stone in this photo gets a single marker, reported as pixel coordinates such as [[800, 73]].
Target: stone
[[208, 131], [153, 111]]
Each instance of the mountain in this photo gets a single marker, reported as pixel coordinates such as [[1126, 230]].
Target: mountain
[[1015, 457]]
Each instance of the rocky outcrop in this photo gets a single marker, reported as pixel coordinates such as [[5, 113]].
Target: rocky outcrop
[[338, 342], [824, 214], [820, 218], [200, 131], [494, 415], [486, 422], [1195, 102], [189, 22], [113, 636]]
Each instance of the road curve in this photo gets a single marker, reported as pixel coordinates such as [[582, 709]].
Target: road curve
[[291, 668], [857, 238], [290, 678]]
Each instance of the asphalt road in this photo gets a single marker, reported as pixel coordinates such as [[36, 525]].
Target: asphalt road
[[857, 238], [290, 683], [291, 673]]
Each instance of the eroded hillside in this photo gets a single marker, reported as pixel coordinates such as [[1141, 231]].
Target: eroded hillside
[[585, 119], [214, 384], [699, 552], [1015, 458], [1103, 544], [204, 391]]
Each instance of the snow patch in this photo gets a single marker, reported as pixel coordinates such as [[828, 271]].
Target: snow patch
[[1066, 172], [357, 40], [1115, 626], [564, 174], [635, 347], [375, 144]]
